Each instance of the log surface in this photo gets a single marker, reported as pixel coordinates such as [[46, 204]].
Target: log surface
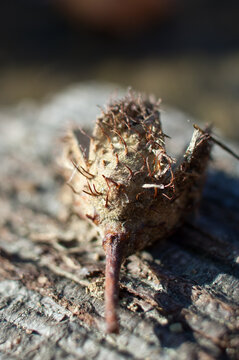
[[178, 300]]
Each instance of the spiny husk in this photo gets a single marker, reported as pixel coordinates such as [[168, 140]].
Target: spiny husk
[[129, 186]]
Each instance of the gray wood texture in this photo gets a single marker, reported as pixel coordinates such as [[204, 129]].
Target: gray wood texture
[[178, 299]]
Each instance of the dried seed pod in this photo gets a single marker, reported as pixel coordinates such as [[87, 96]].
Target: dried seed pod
[[129, 187]]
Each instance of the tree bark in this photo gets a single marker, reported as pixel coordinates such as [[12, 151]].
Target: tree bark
[[178, 299]]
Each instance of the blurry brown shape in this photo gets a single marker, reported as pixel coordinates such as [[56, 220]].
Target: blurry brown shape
[[118, 16]]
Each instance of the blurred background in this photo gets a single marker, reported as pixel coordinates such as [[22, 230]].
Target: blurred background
[[186, 52]]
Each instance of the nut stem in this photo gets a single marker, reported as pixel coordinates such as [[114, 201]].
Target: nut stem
[[113, 248]]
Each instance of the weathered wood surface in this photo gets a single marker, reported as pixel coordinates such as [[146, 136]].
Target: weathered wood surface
[[178, 299]]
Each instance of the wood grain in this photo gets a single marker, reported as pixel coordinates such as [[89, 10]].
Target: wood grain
[[178, 300]]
